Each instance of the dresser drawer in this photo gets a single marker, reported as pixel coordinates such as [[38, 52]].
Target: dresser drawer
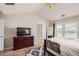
[[22, 42]]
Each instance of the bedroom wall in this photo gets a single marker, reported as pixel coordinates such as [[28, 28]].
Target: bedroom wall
[[73, 19], [1, 15], [12, 21], [50, 28]]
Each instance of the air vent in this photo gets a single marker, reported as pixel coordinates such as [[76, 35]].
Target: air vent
[[9, 3]]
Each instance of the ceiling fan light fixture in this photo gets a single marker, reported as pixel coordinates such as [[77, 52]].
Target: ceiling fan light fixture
[[50, 5]]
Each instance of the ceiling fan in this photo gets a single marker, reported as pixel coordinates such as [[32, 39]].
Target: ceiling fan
[[51, 5]]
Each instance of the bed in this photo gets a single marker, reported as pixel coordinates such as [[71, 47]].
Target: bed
[[62, 47]]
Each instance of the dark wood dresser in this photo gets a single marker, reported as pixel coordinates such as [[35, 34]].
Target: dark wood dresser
[[23, 42]]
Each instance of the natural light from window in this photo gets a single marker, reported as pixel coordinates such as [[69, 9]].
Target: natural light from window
[[67, 30]]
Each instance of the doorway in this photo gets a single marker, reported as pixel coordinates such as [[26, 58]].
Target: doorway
[[40, 34]]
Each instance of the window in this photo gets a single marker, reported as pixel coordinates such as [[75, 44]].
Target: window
[[59, 28], [71, 30], [66, 30]]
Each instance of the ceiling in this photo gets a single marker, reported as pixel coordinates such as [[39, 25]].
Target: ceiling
[[58, 10], [20, 8]]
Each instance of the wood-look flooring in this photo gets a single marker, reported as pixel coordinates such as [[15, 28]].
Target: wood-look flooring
[[20, 52]]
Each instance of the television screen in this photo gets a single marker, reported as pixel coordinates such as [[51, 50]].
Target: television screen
[[23, 31]]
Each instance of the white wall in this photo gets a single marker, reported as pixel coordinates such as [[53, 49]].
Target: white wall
[[50, 28], [1, 15], [12, 21]]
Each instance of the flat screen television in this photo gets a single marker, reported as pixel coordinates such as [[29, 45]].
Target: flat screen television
[[23, 31]]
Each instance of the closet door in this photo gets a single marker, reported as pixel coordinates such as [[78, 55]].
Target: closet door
[[1, 43], [1, 35], [40, 34], [2, 28]]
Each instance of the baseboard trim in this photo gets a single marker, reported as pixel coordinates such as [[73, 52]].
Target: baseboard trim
[[8, 48]]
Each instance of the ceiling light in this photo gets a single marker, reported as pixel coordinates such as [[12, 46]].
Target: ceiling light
[[51, 5]]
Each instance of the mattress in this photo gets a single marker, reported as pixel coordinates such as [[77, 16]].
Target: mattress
[[67, 47]]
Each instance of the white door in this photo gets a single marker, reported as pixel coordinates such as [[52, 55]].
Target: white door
[[1, 35], [40, 33], [1, 43], [1, 27]]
